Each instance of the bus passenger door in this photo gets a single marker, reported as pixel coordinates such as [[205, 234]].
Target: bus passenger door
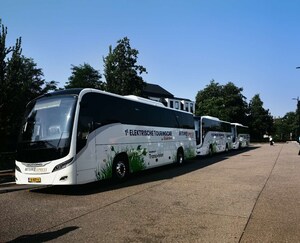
[[85, 147], [197, 131]]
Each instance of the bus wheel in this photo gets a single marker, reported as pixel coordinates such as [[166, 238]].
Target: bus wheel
[[120, 169], [180, 157]]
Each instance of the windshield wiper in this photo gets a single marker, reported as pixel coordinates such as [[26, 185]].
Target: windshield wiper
[[59, 140]]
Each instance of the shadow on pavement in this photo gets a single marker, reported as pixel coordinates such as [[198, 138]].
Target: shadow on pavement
[[151, 175], [47, 236]]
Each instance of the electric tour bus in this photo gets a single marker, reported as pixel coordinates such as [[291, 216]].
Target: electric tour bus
[[79, 136], [241, 137], [212, 135]]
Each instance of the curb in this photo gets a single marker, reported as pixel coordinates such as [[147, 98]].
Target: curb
[[11, 187]]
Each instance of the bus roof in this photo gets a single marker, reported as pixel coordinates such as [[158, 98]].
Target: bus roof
[[211, 118], [144, 100], [75, 91], [82, 91], [238, 124]]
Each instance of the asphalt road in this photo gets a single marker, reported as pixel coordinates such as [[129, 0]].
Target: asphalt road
[[248, 196]]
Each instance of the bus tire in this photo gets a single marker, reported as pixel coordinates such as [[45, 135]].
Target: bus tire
[[180, 156], [120, 168]]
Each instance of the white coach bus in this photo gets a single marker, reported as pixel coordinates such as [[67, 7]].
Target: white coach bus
[[79, 136], [212, 135], [241, 137]]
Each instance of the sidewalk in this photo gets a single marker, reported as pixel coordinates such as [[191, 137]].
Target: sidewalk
[[276, 213], [7, 182]]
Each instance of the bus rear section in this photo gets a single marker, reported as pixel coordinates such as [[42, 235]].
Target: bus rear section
[[212, 135]]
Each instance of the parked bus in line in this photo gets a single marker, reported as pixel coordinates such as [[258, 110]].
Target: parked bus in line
[[79, 136], [212, 135], [241, 136]]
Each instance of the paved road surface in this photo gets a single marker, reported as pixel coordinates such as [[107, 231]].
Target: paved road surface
[[249, 196]]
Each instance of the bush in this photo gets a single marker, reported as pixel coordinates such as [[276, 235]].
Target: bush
[[7, 160]]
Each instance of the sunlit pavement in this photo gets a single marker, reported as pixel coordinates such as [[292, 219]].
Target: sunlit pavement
[[247, 196]]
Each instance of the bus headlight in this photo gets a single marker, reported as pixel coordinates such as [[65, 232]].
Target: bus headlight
[[63, 165]]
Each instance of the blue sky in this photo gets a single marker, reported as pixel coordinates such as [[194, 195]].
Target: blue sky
[[183, 44]]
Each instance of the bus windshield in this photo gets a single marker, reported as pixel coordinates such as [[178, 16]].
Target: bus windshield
[[46, 130]]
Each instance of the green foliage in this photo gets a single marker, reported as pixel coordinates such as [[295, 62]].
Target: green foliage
[[84, 76], [209, 101], [135, 158], [20, 82], [104, 173], [189, 152], [228, 103], [260, 120], [223, 101], [121, 71], [286, 128], [7, 161]]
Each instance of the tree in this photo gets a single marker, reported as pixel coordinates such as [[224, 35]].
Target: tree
[[20, 81], [286, 127], [260, 120], [121, 70], [223, 101], [209, 100], [235, 103], [84, 76]]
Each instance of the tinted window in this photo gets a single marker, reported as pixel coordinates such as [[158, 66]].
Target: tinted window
[[215, 125], [242, 130], [185, 120], [105, 109], [226, 127]]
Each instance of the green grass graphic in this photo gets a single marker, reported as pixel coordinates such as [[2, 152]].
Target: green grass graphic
[[135, 158]]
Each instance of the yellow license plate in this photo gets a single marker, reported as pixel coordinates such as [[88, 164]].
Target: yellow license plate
[[34, 179]]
